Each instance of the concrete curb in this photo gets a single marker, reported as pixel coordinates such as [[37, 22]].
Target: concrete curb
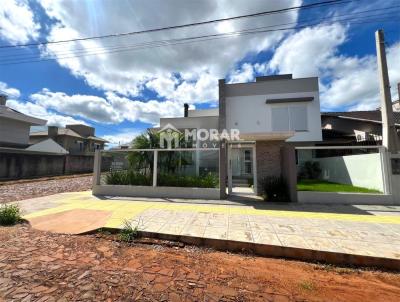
[[276, 251]]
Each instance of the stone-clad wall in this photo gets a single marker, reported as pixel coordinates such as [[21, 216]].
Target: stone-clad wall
[[268, 157]]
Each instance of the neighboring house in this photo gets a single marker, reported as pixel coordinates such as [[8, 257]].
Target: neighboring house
[[47, 145], [15, 126], [270, 113], [354, 127], [76, 139]]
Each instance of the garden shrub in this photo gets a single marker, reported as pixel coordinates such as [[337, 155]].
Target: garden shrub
[[132, 178], [310, 170], [275, 189], [127, 178], [209, 180], [9, 214]]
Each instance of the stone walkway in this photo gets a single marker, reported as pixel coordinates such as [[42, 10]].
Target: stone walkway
[[359, 230]]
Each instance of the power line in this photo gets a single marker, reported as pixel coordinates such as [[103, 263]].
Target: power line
[[156, 44], [79, 50], [270, 12]]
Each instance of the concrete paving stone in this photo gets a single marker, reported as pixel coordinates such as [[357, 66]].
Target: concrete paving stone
[[151, 226], [217, 223], [240, 235], [198, 221], [175, 229], [355, 247], [266, 238], [216, 233], [286, 229], [376, 237], [279, 220], [258, 218], [261, 226], [337, 233], [237, 217], [193, 230], [239, 221], [301, 221], [322, 244], [293, 241], [394, 227]]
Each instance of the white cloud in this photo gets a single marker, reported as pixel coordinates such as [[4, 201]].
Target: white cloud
[[305, 53], [17, 24], [345, 81], [35, 110], [112, 109], [125, 136], [147, 112], [9, 91], [163, 69], [87, 106], [243, 75]]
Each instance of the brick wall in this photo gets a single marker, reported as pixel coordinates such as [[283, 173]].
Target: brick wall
[[268, 157]]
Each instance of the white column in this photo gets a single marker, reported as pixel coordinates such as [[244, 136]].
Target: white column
[[155, 168], [96, 168]]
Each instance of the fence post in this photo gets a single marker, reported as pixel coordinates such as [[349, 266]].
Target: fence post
[[96, 168], [155, 162]]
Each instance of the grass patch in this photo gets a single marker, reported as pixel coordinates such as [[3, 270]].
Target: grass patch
[[307, 285], [326, 186], [9, 214], [129, 232]]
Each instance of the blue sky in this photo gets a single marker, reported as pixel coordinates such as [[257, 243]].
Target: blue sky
[[122, 93]]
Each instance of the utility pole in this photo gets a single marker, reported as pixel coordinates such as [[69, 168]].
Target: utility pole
[[390, 139]]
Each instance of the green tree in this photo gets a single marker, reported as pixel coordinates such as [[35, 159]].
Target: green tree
[[168, 162]]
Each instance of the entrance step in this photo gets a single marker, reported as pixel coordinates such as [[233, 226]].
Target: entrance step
[[240, 182]]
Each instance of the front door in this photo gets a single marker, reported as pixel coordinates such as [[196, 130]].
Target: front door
[[240, 165], [241, 161], [236, 162], [247, 163]]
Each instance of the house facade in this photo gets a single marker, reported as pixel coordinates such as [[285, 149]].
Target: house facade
[[272, 114], [76, 139], [354, 127], [15, 126]]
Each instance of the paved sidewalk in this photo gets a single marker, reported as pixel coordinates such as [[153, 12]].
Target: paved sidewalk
[[359, 230]]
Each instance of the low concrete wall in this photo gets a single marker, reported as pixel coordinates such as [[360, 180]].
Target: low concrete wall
[[363, 170], [345, 198], [160, 192], [35, 164]]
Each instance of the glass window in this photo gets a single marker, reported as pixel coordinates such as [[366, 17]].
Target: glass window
[[247, 155], [247, 167], [298, 118], [280, 118]]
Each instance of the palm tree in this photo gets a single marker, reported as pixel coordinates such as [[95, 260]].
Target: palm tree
[[169, 161]]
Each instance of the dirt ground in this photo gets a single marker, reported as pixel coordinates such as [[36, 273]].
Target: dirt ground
[[38, 266], [19, 190]]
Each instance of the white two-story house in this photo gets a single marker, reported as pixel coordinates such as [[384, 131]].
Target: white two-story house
[[272, 114]]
